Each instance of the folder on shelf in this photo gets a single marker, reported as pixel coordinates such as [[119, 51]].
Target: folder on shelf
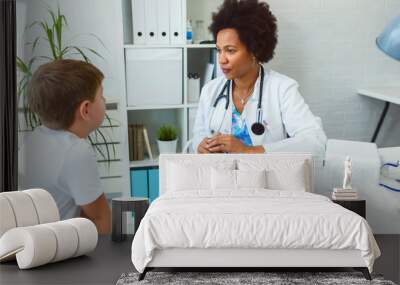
[[130, 141], [208, 73], [191, 119], [140, 142], [134, 146], [193, 89], [177, 34], [138, 22], [163, 22], [147, 143], [150, 12], [137, 136], [146, 66], [214, 60]]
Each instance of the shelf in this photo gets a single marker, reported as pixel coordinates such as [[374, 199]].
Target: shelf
[[155, 107], [192, 46], [143, 163], [129, 46], [201, 46], [192, 105]]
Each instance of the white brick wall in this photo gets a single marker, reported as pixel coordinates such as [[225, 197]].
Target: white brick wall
[[328, 46]]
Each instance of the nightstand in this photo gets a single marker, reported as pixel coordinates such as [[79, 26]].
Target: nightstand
[[357, 206], [137, 205]]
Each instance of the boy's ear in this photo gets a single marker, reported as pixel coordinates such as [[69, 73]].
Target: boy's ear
[[84, 109]]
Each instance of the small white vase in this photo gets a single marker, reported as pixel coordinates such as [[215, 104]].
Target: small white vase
[[167, 146]]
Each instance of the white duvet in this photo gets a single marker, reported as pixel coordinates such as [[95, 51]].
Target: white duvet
[[253, 218]]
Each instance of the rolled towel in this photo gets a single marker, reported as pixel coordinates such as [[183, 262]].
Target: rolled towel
[[46, 207], [67, 239], [87, 235], [32, 246], [40, 244], [7, 218], [23, 208]]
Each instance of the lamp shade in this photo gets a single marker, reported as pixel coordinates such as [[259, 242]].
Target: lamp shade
[[389, 40]]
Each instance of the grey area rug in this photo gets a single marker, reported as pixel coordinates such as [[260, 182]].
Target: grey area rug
[[273, 278]]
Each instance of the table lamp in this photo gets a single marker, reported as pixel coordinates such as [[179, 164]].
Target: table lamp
[[389, 40]]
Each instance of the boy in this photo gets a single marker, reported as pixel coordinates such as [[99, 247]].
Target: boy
[[67, 95]]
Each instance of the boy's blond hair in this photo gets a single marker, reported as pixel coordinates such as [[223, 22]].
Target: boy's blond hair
[[58, 88]]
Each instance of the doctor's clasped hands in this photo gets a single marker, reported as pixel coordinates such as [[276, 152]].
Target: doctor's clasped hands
[[223, 143]]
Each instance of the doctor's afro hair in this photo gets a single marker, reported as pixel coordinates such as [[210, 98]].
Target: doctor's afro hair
[[253, 21]]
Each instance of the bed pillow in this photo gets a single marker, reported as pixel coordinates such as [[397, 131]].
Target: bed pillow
[[225, 179], [183, 175], [251, 178], [282, 174], [289, 177]]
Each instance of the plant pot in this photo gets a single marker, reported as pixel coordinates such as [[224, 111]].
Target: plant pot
[[167, 146]]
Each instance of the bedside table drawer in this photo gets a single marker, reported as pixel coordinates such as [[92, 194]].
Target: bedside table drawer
[[357, 206]]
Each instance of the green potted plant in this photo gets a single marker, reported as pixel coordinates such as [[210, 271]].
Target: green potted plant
[[51, 36], [167, 138]]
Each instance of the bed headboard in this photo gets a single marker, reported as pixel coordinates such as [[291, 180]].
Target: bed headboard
[[214, 158]]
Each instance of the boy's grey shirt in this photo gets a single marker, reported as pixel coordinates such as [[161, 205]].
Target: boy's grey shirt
[[63, 164]]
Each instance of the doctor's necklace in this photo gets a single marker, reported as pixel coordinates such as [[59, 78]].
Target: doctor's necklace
[[244, 100]]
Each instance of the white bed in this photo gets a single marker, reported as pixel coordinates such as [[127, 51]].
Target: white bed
[[202, 220]]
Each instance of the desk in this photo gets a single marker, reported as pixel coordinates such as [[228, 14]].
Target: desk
[[386, 94], [102, 266]]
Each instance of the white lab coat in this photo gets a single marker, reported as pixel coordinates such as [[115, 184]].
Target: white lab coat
[[284, 111]]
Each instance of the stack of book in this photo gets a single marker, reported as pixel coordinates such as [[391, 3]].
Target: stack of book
[[138, 142], [344, 194]]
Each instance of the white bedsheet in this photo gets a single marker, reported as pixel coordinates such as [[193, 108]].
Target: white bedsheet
[[253, 218]]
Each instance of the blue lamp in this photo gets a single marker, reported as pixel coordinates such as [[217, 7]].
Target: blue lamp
[[389, 40]]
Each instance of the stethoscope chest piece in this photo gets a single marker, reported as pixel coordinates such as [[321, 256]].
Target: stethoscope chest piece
[[258, 128]]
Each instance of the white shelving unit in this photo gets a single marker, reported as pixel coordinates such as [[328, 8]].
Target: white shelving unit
[[188, 46], [144, 163], [194, 59]]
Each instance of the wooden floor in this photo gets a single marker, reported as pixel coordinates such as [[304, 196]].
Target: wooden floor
[[389, 262], [110, 260]]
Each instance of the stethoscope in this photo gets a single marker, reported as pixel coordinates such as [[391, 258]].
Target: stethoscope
[[397, 180], [257, 127]]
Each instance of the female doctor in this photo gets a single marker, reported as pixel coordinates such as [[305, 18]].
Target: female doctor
[[252, 109]]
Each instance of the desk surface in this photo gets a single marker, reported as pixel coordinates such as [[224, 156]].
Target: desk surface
[[102, 266], [384, 93]]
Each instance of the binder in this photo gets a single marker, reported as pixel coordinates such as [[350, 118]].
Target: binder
[[140, 144], [139, 183], [217, 68], [177, 35], [150, 23], [163, 22], [135, 142], [193, 89], [138, 22], [208, 73], [130, 139], [153, 176], [150, 72], [191, 121], [147, 143]]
